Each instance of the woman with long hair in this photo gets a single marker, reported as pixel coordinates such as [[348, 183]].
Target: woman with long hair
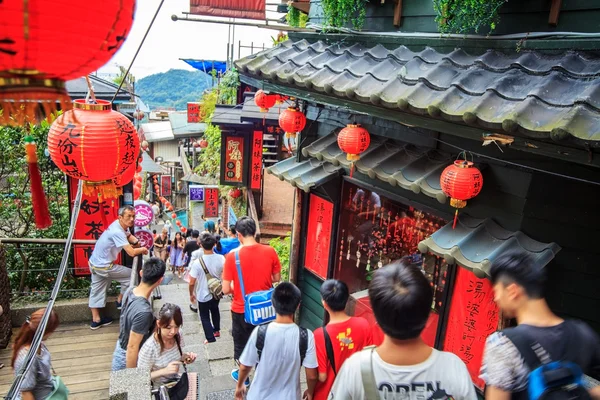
[[38, 382], [162, 353], [176, 252]]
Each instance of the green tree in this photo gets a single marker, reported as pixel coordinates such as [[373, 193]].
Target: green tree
[[282, 248]]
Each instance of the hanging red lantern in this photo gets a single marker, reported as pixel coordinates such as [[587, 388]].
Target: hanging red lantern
[[163, 200], [33, 72], [183, 229], [461, 181], [94, 143], [124, 178], [173, 215], [203, 143], [264, 100], [137, 192], [170, 208], [235, 193], [280, 99], [292, 121], [178, 223], [353, 140], [168, 204]]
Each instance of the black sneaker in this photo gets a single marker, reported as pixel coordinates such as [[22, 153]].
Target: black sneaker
[[193, 309], [119, 304], [103, 322]]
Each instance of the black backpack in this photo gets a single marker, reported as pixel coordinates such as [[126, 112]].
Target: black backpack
[[262, 333]]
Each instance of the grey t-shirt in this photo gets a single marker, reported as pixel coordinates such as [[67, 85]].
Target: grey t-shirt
[[38, 379], [136, 316]]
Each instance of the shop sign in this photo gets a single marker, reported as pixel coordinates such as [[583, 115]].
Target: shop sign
[[211, 205], [165, 183], [320, 218], [256, 163], [196, 193], [473, 317], [143, 213], [233, 160], [193, 113], [145, 237]]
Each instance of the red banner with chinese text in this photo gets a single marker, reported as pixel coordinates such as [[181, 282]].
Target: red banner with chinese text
[[473, 317], [90, 225], [256, 162], [233, 160], [211, 202], [193, 113], [318, 241], [249, 9], [165, 185]]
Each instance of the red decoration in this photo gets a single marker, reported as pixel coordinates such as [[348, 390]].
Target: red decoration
[[173, 215], [461, 181], [292, 121], [183, 229], [279, 99], [193, 113], [139, 115], [233, 165], [353, 140], [235, 193], [178, 223], [95, 144], [38, 197], [165, 180], [250, 9], [256, 160], [264, 101], [33, 71], [137, 192], [203, 143], [318, 242], [126, 177], [211, 202]]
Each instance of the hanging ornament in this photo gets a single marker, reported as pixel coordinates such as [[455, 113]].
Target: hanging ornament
[[125, 177], [139, 115], [461, 181], [353, 140], [235, 193], [94, 143], [280, 99], [292, 121], [173, 215], [203, 143], [38, 197], [178, 223], [264, 101], [44, 43]]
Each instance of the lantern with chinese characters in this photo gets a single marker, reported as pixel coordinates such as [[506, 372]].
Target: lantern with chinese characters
[[94, 143], [264, 101], [353, 140], [461, 181], [43, 44], [292, 121]]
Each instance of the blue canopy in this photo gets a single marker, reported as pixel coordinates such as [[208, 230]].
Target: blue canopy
[[207, 65]]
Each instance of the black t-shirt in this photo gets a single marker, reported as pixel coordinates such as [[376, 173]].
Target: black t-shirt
[[190, 247], [136, 316]]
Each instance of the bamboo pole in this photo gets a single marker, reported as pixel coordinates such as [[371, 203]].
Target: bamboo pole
[[295, 240]]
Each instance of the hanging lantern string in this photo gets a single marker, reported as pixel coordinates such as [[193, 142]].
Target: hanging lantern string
[[90, 90]]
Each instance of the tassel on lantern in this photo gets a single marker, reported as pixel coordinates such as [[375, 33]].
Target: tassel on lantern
[[26, 100], [38, 198]]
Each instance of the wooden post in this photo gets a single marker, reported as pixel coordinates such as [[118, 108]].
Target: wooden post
[[295, 240], [554, 12], [398, 13]]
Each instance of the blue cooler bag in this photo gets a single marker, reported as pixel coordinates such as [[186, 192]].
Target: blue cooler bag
[[258, 307]]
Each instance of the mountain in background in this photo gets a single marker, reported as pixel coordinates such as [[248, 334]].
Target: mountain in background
[[174, 88]]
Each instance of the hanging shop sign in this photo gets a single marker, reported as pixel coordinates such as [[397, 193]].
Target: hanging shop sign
[[211, 205], [165, 183], [473, 317], [256, 161], [94, 217], [143, 213], [193, 113], [250, 9], [145, 237], [196, 193], [233, 160], [320, 219]]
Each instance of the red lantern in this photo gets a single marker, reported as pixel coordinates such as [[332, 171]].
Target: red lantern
[[139, 115], [170, 208], [178, 223], [125, 177], [264, 101], [137, 192], [95, 144], [203, 143], [461, 181], [183, 229], [353, 140], [279, 99], [235, 193], [173, 215], [168, 204], [292, 121], [33, 71], [163, 200]]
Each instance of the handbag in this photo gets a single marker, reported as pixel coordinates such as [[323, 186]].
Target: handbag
[[181, 388], [258, 306], [60, 391], [214, 285]]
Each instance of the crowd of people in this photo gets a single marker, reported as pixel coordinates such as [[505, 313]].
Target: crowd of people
[[340, 359]]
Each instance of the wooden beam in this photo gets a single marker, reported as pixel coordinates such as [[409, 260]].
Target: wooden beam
[[302, 6], [398, 13], [554, 12]]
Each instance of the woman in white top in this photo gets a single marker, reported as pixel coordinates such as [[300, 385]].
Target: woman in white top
[[161, 353]]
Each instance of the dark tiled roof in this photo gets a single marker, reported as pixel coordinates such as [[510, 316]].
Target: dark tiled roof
[[103, 89], [475, 244], [251, 112], [399, 164], [229, 115], [305, 174], [537, 94]]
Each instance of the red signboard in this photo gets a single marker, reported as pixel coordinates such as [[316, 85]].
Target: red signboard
[[250, 9], [211, 202], [256, 162], [233, 148], [473, 317], [320, 218], [165, 185], [90, 224], [193, 113]]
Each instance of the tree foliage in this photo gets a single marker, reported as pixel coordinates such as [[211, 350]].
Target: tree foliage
[[467, 16], [174, 88], [282, 248]]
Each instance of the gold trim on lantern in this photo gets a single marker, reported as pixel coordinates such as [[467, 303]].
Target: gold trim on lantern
[[102, 105], [463, 164], [25, 82], [352, 157], [456, 203]]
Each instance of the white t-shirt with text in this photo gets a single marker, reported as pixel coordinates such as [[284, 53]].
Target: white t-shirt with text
[[442, 376], [277, 375], [214, 265]]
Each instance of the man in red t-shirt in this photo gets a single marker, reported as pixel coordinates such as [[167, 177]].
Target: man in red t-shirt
[[260, 269], [348, 335]]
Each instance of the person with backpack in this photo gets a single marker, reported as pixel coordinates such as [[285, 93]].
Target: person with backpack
[[340, 338], [403, 366], [205, 287], [544, 355], [259, 268], [279, 350]]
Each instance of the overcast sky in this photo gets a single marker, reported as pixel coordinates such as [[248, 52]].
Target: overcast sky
[[168, 41]]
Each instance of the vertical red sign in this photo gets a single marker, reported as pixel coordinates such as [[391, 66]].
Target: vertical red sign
[[320, 218], [234, 160], [165, 185], [473, 317], [211, 202], [90, 224], [193, 113], [256, 163]]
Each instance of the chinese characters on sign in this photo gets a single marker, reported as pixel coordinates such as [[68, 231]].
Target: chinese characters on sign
[[196, 193], [143, 213], [320, 217], [145, 237], [256, 164], [193, 113], [211, 205], [165, 183], [234, 160], [473, 317]]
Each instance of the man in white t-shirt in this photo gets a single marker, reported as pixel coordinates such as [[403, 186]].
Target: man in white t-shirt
[[403, 366], [208, 307], [277, 374]]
